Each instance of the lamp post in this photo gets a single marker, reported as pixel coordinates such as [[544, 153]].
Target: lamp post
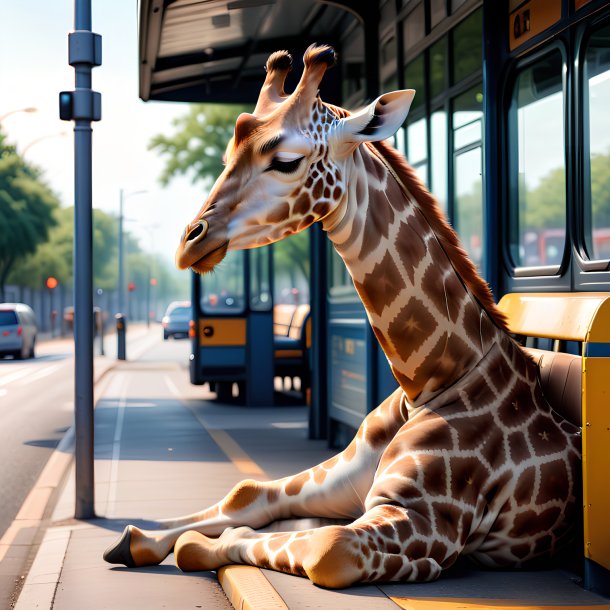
[[28, 110], [122, 198], [61, 134]]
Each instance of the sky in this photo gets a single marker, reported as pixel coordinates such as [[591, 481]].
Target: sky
[[34, 69]]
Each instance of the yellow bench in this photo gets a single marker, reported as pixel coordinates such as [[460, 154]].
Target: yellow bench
[[584, 318]]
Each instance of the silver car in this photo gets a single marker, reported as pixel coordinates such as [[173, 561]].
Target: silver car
[[176, 320], [18, 330]]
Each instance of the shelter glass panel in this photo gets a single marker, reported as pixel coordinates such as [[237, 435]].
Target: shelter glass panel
[[467, 167], [415, 79], [538, 218], [224, 291], [438, 153], [468, 46], [291, 269], [438, 62], [414, 26], [438, 11], [597, 77], [260, 281]]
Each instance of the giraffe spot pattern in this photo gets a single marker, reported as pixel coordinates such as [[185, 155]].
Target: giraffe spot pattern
[[410, 247], [411, 327], [381, 287]]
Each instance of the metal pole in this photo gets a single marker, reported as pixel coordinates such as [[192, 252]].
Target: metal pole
[[83, 57], [121, 255]]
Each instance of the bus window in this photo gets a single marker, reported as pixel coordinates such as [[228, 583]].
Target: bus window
[[597, 79], [538, 216], [260, 282], [467, 163], [223, 291]]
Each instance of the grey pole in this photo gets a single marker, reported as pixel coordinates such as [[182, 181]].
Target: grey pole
[[121, 255], [83, 106]]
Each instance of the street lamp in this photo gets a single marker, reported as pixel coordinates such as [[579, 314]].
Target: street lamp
[[61, 134], [28, 110], [123, 197]]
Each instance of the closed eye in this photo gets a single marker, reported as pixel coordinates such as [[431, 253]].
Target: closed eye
[[286, 163]]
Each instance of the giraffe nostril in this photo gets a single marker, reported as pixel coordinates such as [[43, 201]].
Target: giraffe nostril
[[198, 231]]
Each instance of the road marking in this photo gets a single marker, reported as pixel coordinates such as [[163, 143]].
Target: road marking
[[10, 377], [116, 448], [242, 461], [45, 372]]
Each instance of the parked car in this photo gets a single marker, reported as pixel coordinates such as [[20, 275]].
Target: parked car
[[18, 330], [176, 320]]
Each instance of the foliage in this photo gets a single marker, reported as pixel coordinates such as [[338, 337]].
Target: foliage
[[27, 207], [197, 146]]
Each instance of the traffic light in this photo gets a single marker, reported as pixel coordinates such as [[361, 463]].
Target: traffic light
[[131, 286], [52, 283], [153, 281]]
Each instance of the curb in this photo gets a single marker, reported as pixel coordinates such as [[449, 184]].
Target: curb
[[247, 589]]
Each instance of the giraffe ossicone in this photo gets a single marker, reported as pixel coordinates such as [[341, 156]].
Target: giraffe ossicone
[[446, 465]]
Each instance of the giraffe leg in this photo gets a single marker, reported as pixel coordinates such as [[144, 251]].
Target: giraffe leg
[[382, 545], [336, 488]]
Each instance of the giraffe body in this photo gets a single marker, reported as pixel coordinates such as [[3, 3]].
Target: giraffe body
[[466, 456]]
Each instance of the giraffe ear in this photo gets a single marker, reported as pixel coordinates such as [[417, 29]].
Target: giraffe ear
[[378, 121]]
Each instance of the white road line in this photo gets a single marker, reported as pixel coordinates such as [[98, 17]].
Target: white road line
[[10, 377], [116, 449], [172, 387], [41, 373]]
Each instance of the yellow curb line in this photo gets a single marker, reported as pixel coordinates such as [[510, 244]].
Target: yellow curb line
[[248, 589]]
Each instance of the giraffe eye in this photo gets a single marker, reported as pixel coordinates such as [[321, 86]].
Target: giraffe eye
[[285, 162]]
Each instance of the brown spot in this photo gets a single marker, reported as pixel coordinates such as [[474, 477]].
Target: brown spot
[[428, 432], [326, 192], [541, 428], [242, 495], [391, 566], [318, 188], [294, 486], [350, 452], [321, 209], [281, 213], [319, 474], [438, 551], [411, 327], [309, 181], [447, 519], [282, 562], [337, 193], [467, 478], [433, 286], [518, 447], [554, 482], [492, 449], [306, 222], [529, 523], [381, 287], [302, 205], [474, 429], [377, 435], [435, 475], [416, 549], [379, 217], [330, 178], [543, 545], [472, 323], [521, 551], [423, 569], [392, 547]]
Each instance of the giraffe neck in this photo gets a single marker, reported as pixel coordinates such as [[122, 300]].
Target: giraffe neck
[[430, 326]]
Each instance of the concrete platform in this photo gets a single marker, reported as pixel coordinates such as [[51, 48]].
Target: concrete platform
[[162, 450]]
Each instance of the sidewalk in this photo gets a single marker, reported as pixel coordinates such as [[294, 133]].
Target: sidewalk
[[161, 451]]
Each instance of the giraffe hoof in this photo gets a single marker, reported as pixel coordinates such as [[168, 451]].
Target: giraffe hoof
[[120, 552]]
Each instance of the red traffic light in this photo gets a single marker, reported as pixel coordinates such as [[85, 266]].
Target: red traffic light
[[131, 286], [153, 281], [52, 283]]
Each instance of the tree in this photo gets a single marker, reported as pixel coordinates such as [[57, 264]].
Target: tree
[[27, 205], [198, 145]]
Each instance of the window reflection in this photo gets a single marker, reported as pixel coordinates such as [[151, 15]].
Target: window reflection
[[438, 153], [415, 79], [223, 291], [467, 46], [260, 283], [467, 166], [291, 269], [438, 56], [538, 219], [417, 148], [597, 75]]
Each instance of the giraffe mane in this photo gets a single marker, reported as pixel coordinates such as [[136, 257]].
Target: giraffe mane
[[445, 234]]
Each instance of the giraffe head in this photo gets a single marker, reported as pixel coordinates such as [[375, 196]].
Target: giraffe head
[[286, 163]]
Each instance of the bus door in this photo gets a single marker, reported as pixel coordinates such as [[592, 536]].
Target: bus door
[[232, 327]]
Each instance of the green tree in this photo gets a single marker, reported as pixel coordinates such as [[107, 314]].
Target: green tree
[[198, 144], [27, 205]]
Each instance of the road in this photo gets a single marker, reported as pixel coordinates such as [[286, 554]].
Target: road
[[36, 409]]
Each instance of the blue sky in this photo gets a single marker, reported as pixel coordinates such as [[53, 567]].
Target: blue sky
[[34, 68]]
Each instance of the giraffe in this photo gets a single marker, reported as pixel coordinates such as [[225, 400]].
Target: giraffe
[[465, 457]]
